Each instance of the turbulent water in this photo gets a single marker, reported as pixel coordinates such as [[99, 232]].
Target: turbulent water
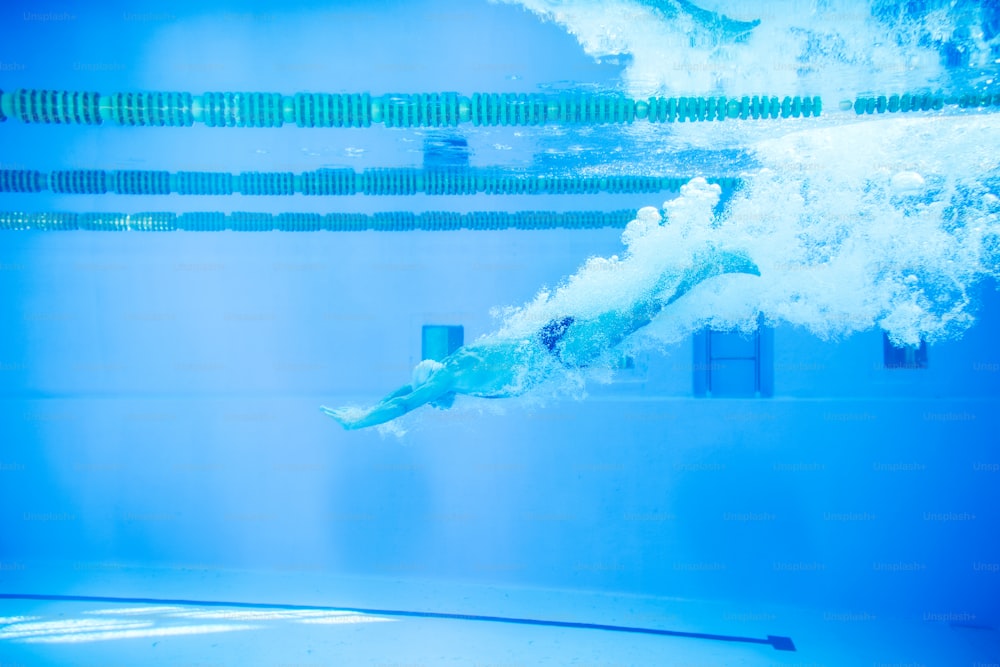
[[890, 223], [823, 47], [856, 222]]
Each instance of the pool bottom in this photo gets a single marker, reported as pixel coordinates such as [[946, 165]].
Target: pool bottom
[[252, 610], [74, 623]]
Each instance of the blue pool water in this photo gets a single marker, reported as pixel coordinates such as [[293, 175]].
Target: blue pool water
[[593, 447]]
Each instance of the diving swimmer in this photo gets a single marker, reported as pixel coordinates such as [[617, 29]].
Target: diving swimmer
[[507, 368]]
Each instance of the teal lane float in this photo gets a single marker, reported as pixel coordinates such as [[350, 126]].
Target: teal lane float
[[334, 182], [871, 104], [161, 109], [391, 221]]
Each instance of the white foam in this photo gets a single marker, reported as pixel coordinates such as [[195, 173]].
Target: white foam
[[845, 242], [392, 428], [888, 222], [844, 239], [907, 181], [658, 241], [831, 48]]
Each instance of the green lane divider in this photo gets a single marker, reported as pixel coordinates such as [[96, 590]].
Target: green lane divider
[[161, 109], [391, 221], [864, 105], [330, 182]]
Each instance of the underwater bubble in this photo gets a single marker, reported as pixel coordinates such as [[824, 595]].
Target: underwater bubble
[[907, 181]]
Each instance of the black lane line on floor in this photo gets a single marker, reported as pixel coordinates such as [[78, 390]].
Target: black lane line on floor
[[778, 643]]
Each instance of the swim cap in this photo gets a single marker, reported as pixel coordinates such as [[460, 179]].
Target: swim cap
[[423, 371]]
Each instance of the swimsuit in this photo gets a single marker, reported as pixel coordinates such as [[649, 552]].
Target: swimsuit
[[553, 332]]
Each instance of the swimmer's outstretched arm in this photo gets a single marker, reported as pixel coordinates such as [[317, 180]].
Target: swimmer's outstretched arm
[[402, 391], [395, 405]]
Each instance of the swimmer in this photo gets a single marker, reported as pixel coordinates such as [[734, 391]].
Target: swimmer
[[507, 368]]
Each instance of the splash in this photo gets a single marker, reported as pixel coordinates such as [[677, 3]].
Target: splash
[[890, 223], [831, 47], [391, 429], [657, 244]]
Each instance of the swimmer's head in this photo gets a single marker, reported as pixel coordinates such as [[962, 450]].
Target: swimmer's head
[[423, 371]]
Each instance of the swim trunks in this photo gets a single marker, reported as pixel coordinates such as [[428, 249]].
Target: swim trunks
[[553, 332]]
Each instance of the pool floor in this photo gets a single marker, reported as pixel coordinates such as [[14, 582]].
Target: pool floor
[[205, 617]]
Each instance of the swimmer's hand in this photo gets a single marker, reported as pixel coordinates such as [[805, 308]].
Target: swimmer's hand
[[346, 417]]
